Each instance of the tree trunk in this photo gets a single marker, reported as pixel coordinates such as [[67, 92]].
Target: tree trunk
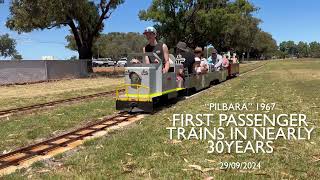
[[85, 53]]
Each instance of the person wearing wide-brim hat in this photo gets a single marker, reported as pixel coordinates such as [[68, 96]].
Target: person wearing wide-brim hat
[[160, 49], [183, 51], [182, 46]]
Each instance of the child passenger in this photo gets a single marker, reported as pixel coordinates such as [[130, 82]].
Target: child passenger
[[201, 64]]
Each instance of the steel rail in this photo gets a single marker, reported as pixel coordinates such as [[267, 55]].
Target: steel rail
[[16, 157]]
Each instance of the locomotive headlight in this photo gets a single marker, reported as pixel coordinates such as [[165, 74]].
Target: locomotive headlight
[[135, 78]]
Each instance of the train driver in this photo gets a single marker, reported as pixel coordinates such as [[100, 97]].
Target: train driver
[[160, 49]]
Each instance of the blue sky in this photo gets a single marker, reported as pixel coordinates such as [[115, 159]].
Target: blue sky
[[295, 20]]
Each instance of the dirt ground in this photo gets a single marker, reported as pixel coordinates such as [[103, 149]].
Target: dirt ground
[[108, 69]]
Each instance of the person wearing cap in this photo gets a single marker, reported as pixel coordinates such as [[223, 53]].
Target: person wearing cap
[[189, 57], [215, 59], [160, 49]]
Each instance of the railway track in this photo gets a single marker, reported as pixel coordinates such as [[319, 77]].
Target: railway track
[[8, 112], [17, 157], [254, 69]]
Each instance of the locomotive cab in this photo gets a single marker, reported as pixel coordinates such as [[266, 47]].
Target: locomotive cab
[[145, 84]]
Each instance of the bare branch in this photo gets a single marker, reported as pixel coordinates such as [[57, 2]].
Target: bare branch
[[103, 15], [188, 19], [67, 22], [102, 5], [109, 15]]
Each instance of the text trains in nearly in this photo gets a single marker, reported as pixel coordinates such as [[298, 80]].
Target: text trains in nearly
[[241, 120], [218, 133]]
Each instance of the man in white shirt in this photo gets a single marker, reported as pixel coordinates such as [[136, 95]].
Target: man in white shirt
[[215, 59]]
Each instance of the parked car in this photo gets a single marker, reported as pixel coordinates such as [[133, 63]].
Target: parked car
[[110, 62], [122, 62], [103, 62], [98, 63]]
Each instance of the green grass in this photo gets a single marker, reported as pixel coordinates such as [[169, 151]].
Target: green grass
[[143, 150], [22, 130]]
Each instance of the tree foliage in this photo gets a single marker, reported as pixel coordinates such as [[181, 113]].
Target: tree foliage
[[115, 44], [16, 57], [84, 18], [314, 49], [223, 23], [8, 47], [303, 49], [264, 45], [289, 48], [300, 50]]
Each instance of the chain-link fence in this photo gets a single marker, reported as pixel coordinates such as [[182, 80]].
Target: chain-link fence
[[28, 71]]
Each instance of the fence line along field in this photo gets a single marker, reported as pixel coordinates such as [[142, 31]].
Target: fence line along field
[[23, 95]]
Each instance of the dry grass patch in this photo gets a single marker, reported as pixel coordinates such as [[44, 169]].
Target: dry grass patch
[[297, 74], [109, 69], [57, 87], [23, 95]]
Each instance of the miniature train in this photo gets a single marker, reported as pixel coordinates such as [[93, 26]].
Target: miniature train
[[146, 86]]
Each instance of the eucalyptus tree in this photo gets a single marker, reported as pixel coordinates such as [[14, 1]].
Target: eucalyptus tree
[[85, 18], [223, 23], [8, 47]]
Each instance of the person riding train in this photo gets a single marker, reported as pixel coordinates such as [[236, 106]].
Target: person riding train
[[201, 64], [183, 52], [215, 59], [160, 49], [186, 58], [225, 61]]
